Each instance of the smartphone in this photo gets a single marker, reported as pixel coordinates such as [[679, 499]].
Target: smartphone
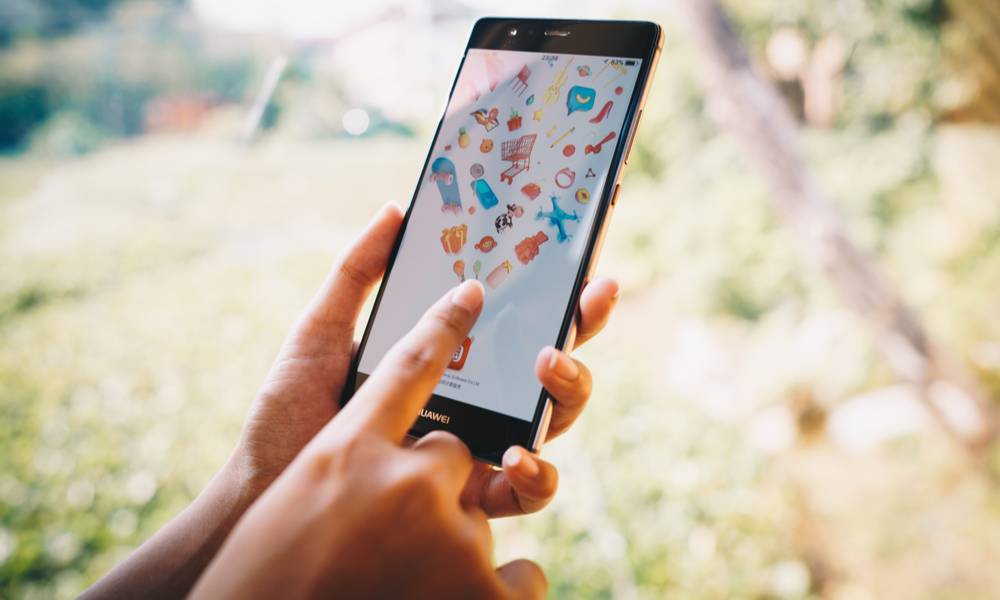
[[517, 192]]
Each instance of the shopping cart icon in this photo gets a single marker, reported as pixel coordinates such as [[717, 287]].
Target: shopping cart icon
[[518, 154]]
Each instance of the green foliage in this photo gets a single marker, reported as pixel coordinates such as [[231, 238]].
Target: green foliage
[[98, 84], [147, 286], [22, 108], [66, 134], [48, 18]]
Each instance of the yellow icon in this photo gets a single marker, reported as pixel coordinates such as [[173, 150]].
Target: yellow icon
[[563, 136], [552, 93], [537, 115]]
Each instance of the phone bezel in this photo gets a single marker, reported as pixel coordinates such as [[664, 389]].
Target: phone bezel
[[488, 433]]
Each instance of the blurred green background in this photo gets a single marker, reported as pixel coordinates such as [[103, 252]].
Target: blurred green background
[[158, 235]]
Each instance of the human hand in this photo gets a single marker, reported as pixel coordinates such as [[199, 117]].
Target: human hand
[[301, 395], [527, 483], [356, 514], [302, 390]]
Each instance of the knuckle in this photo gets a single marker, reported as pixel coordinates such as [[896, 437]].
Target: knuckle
[[416, 485], [335, 456], [546, 491], [550, 485], [586, 386], [415, 359], [318, 464], [354, 275], [575, 394], [449, 442], [449, 319], [541, 493]]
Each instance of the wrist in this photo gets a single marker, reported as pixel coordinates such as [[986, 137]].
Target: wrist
[[251, 468], [226, 498]]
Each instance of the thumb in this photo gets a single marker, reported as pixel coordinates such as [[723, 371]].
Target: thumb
[[524, 579], [331, 315]]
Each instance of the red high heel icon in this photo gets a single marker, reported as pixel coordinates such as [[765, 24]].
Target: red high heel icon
[[604, 112]]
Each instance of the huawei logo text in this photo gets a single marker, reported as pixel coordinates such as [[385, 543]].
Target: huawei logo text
[[435, 416]]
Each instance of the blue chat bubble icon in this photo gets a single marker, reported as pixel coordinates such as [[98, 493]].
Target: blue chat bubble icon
[[580, 98]]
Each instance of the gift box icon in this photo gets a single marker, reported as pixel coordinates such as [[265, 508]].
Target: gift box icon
[[454, 238]]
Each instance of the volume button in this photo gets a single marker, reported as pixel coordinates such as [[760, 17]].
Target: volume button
[[635, 129], [614, 194]]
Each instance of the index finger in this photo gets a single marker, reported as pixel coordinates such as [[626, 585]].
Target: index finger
[[390, 400]]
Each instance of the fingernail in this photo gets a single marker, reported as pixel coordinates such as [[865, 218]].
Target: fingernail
[[520, 460], [469, 295], [562, 365], [618, 290]]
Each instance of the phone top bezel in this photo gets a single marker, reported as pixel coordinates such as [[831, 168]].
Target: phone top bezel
[[620, 39]]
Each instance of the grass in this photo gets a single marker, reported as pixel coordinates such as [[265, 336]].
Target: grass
[[146, 288]]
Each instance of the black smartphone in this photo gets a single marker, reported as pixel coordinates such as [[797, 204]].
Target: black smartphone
[[517, 191]]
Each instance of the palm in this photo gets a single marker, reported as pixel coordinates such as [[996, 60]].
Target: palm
[[300, 395]]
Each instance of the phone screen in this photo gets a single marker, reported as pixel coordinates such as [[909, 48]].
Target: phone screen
[[508, 197]]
